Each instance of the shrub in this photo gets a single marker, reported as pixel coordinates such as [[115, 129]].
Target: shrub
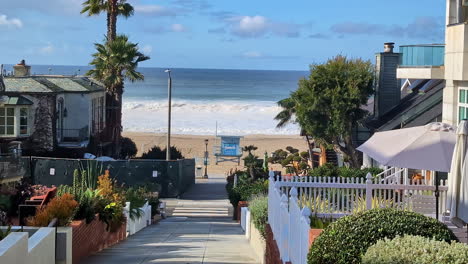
[[347, 239], [62, 207], [137, 198], [160, 154], [246, 189], [258, 207], [415, 249], [128, 148], [331, 170], [5, 233]]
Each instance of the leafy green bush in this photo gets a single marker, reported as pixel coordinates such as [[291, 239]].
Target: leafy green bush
[[417, 250], [331, 170], [258, 207], [128, 148], [246, 188], [137, 196], [160, 154], [347, 239]]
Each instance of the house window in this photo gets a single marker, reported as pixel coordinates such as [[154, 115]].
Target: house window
[[7, 121], [462, 105], [24, 123]]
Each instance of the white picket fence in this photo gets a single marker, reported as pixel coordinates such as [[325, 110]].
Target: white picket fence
[[137, 224], [291, 201]]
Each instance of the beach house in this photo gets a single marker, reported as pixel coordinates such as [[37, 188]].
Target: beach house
[[449, 62], [40, 113]]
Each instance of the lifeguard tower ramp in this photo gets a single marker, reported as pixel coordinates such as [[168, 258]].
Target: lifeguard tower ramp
[[228, 150]]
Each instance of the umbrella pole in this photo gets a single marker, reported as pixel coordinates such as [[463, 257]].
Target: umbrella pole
[[436, 194]]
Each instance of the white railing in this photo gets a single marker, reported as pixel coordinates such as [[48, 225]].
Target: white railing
[[291, 201]]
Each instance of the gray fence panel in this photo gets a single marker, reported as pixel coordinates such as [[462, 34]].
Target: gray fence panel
[[175, 177]]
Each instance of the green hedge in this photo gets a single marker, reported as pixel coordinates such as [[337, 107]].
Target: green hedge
[[331, 170], [347, 239], [416, 250], [258, 207]]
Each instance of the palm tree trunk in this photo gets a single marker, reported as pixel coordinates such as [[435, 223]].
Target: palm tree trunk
[[112, 20], [114, 117], [311, 151]]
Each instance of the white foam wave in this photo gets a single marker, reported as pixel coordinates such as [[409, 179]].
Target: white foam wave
[[199, 117]]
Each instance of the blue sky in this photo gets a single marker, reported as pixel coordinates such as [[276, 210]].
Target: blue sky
[[240, 34]]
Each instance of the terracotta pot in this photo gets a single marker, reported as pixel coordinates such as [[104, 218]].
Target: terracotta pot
[[313, 234], [238, 209]]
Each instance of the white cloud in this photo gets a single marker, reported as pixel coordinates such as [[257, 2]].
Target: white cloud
[[156, 10], [178, 28], [46, 50], [147, 49], [13, 22], [258, 26]]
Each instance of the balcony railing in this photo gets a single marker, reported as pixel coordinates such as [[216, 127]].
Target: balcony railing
[[74, 135], [422, 55]]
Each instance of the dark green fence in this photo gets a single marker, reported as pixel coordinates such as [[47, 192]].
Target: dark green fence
[[13, 168], [175, 177]]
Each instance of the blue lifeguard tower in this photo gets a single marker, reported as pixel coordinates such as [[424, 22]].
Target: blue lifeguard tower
[[229, 149]]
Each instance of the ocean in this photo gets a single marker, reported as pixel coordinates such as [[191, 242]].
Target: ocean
[[237, 102]]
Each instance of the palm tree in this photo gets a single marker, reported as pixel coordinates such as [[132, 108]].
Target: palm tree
[[287, 116], [114, 62], [113, 8]]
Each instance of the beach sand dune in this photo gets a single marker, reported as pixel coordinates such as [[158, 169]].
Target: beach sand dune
[[193, 146]]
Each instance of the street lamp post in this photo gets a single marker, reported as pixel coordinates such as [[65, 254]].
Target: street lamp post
[[206, 159], [169, 95]]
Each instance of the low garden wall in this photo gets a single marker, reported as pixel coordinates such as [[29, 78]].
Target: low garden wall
[[135, 225], [19, 247], [272, 254], [93, 237]]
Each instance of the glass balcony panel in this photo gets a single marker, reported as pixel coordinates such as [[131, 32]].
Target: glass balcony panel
[[422, 55]]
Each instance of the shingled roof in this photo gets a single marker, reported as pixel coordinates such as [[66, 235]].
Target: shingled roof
[[51, 84]]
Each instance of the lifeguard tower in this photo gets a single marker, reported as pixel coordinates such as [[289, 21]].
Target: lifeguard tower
[[229, 149]]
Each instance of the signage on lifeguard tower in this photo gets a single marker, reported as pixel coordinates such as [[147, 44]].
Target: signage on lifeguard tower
[[229, 149]]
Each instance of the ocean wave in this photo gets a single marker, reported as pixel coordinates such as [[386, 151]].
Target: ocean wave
[[201, 117]]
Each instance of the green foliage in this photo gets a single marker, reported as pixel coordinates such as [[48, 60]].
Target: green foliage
[[331, 170], [154, 202], [258, 206], [112, 215], [347, 239], [377, 202], [319, 223], [253, 164], [415, 250], [294, 161], [90, 173], [128, 148], [160, 154], [328, 104], [246, 188], [137, 196], [86, 197]]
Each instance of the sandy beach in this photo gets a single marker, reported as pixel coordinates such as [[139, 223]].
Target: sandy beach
[[193, 146]]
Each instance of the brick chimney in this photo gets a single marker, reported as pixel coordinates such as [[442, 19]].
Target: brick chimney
[[21, 69]]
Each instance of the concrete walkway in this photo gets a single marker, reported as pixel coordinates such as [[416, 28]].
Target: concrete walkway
[[199, 230]]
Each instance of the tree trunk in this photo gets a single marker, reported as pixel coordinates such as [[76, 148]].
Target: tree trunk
[[311, 151], [114, 117], [112, 20], [349, 151]]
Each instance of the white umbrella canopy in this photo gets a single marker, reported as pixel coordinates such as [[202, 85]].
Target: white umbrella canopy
[[457, 196], [428, 147]]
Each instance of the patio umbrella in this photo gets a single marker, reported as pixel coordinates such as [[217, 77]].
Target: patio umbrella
[[457, 196], [428, 147]]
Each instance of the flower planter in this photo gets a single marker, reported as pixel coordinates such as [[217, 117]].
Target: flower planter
[[93, 237], [313, 234], [238, 209]]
